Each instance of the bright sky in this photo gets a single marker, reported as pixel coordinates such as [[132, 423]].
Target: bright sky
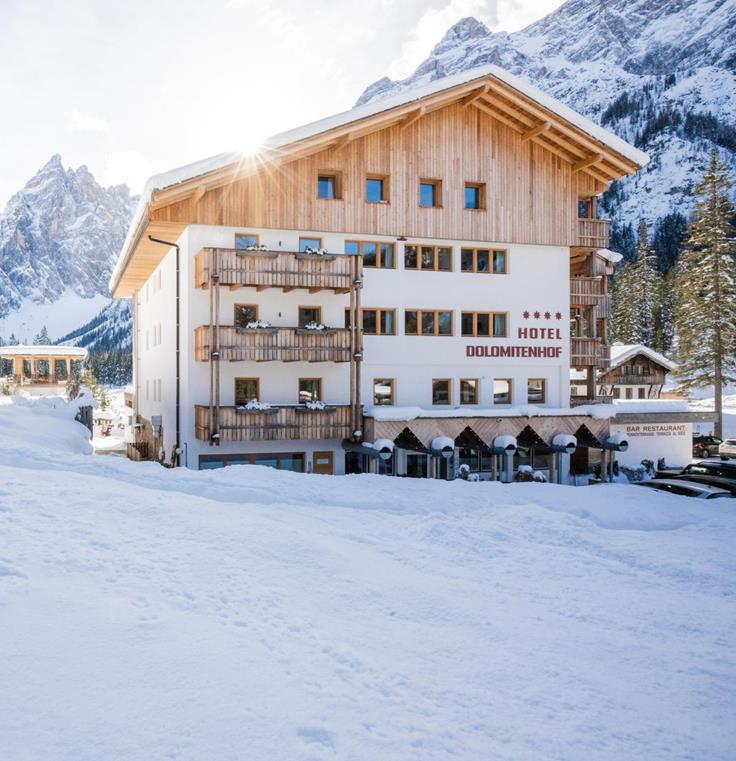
[[137, 87]]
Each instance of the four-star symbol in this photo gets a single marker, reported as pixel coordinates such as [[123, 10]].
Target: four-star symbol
[[526, 314]]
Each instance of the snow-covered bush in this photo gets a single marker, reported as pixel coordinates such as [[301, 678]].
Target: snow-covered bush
[[463, 472], [643, 472], [258, 324], [7, 386], [314, 251], [254, 404], [525, 474], [317, 404], [312, 325]]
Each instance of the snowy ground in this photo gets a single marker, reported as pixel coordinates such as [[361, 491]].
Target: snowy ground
[[249, 614], [729, 413]]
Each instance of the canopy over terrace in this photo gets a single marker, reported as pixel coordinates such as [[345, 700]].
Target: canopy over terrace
[[42, 364]]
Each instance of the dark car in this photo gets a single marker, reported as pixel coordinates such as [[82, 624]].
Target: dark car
[[705, 446], [729, 484], [718, 468], [685, 488]]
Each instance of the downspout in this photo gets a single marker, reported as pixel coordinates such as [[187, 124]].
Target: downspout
[[175, 457]]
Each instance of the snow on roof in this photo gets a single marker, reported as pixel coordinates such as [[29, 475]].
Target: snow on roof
[[612, 256], [43, 350], [189, 171], [622, 353], [638, 406], [599, 411]]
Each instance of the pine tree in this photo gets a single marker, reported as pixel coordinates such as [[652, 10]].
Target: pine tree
[[705, 309], [42, 338], [13, 341], [624, 312], [664, 330]]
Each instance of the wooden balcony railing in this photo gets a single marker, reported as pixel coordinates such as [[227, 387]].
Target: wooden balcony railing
[[578, 401], [276, 269], [274, 344], [589, 352], [634, 380], [592, 233], [282, 422], [588, 291]]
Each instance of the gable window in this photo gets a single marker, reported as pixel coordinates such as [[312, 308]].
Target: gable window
[[376, 188], [244, 314], [383, 391], [423, 322], [246, 390], [536, 390], [483, 324], [379, 255], [328, 186], [475, 195], [305, 243], [245, 240], [436, 258], [430, 193], [502, 391], [441, 391], [468, 391], [310, 390], [309, 314]]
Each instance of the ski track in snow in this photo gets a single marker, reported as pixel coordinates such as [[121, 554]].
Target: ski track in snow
[[250, 614]]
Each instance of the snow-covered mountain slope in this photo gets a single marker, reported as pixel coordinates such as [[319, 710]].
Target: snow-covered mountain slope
[[109, 329], [659, 73], [59, 238]]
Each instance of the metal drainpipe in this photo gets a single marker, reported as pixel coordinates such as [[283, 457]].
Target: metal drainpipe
[[176, 458]]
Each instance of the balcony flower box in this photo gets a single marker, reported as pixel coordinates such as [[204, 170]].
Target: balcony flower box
[[258, 408], [317, 406]]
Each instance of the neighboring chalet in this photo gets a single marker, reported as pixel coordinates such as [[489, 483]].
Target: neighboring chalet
[[40, 370], [403, 286], [635, 372]]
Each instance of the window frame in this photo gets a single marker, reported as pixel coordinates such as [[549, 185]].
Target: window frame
[[239, 306], [447, 381], [436, 183], [318, 307], [235, 390], [505, 253], [319, 389], [336, 176], [480, 187], [252, 459], [510, 382], [377, 243], [436, 312], [305, 238], [379, 311], [476, 392], [385, 188], [435, 258], [491, 322], [391, 382], [246, 235], [544, 390]]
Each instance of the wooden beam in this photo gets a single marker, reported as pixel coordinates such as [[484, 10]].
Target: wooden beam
[[469, 99], [412, 118], [498, 103], [199, 193], [538, 140], [585, 163], [496, 115], [534, 131]]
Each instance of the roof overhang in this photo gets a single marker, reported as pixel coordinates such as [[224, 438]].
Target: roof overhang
[[535, 116]]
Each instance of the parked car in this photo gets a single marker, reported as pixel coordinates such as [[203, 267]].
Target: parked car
[[729, 484], [705, 446], [727, 449], [713, 467], [685, 488]]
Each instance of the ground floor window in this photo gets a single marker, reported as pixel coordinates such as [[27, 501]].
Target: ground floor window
[[293, 461], [478, 459], [537, 458], [536, 390], [416, 465]]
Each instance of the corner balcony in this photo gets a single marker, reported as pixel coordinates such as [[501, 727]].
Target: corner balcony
[[589, 352], [588, 291], [276, 269], [273, 344], [592, 233], [280, 422]]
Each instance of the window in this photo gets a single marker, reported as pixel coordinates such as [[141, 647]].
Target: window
[[374, 254], [376, 188], [310, 390], [483, 324], [475, 195], [376, 322], [499, 262], [468, 391], [629, 392], [309, 314], [383, 391], [246, 390], [288, 461], [244, 240], [441, 391], [329, 186], [438, 258], [430, 193], [642, 393], [245, 313], [420, 322], [305, 243], [536, 390], [616, 392], [502, 391], [483, 260]]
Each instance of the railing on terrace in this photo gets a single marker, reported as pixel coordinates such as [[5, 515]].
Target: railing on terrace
[[589, 352], [593, 233], [274, 344]]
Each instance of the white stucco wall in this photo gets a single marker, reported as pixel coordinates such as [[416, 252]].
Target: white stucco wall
[[650, 441]]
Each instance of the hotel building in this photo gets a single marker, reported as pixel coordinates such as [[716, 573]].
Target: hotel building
[[421, 272]]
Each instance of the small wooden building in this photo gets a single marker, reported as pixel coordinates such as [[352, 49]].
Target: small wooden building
[[43, 369], [635, 372]]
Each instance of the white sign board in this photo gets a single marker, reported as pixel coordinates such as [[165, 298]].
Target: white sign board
[[651, 441]]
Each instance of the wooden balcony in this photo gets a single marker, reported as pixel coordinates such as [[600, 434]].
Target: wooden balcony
[[579, 401], [634, 380], [274, 344], [276, 269], [282, 422], [592, 233], [588, 291], [589, 352]]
